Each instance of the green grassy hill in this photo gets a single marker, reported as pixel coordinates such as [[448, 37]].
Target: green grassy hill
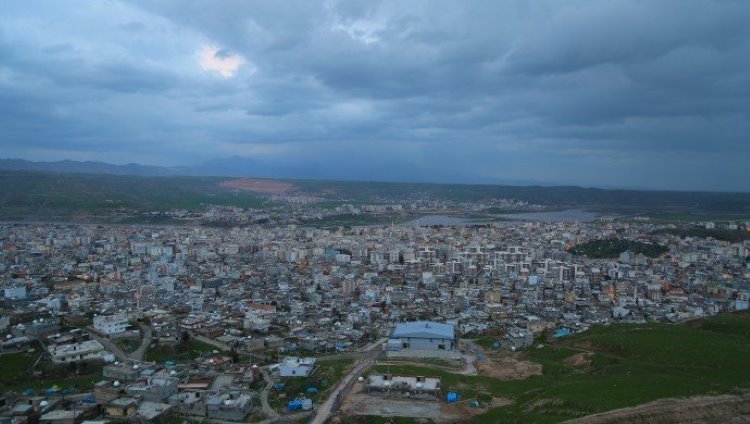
[[29, 195], [25, 195], [625, 365]]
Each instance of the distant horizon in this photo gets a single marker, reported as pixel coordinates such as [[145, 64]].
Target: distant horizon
[[646, 95], [185, 171]]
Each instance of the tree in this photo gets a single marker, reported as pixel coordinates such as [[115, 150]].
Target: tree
[[184, 343]]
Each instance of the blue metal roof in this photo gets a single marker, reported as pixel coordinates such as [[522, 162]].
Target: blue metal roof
[[424, 329]]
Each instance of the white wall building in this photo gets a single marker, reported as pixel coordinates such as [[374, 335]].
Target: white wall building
[[293, 366], [111, 324]]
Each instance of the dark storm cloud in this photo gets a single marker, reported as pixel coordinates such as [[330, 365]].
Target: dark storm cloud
[[629, 93]]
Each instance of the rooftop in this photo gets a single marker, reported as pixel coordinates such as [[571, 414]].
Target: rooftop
[[424, 329]]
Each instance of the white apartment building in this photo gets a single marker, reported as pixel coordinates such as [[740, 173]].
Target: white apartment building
[[111, 324]]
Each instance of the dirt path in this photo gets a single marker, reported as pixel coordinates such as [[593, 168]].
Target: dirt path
[[724, 408], [269, 412]]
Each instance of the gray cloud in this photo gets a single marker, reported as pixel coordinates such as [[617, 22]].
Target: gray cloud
[[626, 93]]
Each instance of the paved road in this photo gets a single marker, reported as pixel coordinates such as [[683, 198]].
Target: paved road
[[111, 347], [324, 411], [120, 354], [374, 345], [145, 343]]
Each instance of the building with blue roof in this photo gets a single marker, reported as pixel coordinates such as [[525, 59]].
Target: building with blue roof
[[423, 337]]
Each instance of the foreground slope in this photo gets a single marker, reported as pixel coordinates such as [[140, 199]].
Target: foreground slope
[[614, 367]]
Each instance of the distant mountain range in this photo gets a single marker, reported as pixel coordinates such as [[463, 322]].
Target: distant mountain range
[[244, 167], [90, 167]]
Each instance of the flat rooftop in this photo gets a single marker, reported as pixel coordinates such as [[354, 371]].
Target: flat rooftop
[[382, 381]]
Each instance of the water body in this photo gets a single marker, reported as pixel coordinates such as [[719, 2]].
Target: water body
[[570, 215], [441, 220]]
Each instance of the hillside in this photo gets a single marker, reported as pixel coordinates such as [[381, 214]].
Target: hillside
[[25, 195], [613, 367], [42, 195]]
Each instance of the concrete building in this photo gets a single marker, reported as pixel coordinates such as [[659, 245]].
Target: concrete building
[[111, 324], [73, 352], [154, 389], [422, 338], [191, 402], [229, 406], [404, 386], [121, 371], [293, 366]]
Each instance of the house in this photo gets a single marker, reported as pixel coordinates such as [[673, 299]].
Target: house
[[73, 352], [256, 323], [153, 411], [419, 386], [154, 389], [111, 324], [293, 366], [121, 371], [105, 391], [122, 407], [62, 416], [229, 406], [518, 338], [191, 402], [423, 338]]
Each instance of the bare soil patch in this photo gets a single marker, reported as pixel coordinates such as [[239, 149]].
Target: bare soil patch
[[507, 368], [578, 360], [258, 186]]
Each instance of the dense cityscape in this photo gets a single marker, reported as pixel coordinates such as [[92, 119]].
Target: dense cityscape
[[374, 212], [219, 322]]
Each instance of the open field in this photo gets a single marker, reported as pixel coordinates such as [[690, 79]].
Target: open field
[[161, 353], [624, 365], [16, 375]]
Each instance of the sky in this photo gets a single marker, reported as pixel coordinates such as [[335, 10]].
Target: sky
[[645, 94]]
